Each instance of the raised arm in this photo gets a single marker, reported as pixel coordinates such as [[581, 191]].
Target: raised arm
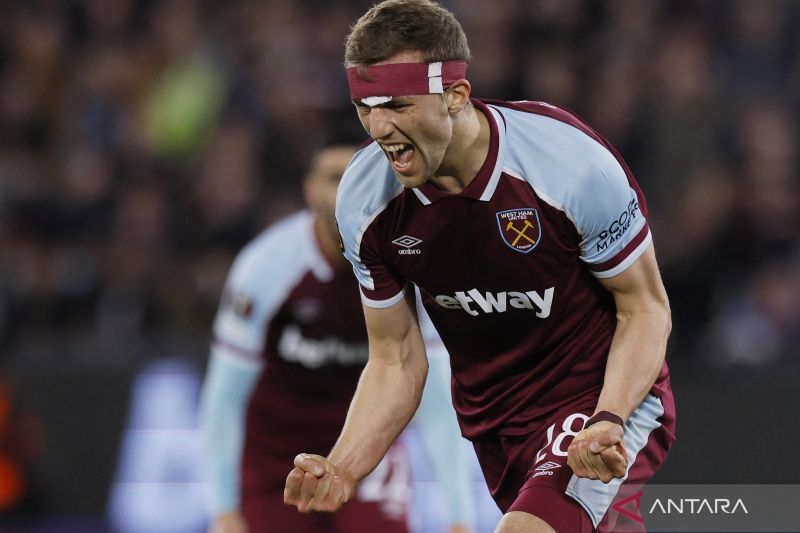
[[634, 361], [387, 396]]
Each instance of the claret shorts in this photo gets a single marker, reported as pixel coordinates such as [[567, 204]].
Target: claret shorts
[[529, 473]]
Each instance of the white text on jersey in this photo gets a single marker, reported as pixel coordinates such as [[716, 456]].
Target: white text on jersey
[[490, 302], [314, 353]]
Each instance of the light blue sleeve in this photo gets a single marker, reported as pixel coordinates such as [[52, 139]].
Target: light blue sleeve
[[577, 175], [227, 388]]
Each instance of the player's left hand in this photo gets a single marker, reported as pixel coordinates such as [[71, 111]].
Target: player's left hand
[[315, 485], [598, 452]]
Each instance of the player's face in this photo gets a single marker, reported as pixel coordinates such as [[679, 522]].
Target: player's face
[[323, 180], [414, 131]]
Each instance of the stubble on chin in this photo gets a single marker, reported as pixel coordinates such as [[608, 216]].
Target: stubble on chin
[[410, 182]]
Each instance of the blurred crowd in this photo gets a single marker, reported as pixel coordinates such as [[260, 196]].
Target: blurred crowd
[[143, 142]]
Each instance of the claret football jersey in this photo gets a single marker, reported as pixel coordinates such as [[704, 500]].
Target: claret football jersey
[[287, 309], [507, 268]]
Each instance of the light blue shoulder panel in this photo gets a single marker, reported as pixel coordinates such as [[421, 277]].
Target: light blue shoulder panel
[[367, 187], [577, 175]]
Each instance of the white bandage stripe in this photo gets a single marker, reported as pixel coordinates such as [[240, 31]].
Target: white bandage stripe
[[372, 101], [435, 78]]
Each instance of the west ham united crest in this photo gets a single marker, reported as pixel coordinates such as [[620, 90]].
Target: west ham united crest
[[520, 228]]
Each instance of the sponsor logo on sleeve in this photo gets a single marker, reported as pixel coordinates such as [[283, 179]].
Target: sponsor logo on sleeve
[[617, 228], [520, 228], [235, 321], [239, 303]]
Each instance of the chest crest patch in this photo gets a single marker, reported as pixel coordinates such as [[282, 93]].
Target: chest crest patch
[[520, 228]]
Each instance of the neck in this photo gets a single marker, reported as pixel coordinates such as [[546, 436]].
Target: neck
[[328, 241], [467, 151]]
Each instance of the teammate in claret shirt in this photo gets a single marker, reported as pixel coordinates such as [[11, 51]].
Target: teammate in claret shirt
[[528, 238], [289, 346]]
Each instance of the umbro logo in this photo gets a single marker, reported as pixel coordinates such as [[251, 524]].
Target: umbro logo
[[407, 241], [546, 469], [409, 245]]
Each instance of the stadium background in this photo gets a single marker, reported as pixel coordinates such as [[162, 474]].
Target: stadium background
[[142, 142]]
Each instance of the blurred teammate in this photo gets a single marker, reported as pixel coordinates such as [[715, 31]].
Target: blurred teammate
[[289, 346], [527, 235], [450, 456]]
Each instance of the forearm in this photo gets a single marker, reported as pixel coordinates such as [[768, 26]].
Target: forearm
[[635, 358], [387, 396]]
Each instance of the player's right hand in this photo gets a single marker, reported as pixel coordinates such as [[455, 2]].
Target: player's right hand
[[230, 522], [598, 452], [315, 485]]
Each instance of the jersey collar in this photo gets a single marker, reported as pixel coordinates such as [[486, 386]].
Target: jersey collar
[[485, 182]]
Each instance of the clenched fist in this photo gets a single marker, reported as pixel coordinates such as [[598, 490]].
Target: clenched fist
[[314, 484]]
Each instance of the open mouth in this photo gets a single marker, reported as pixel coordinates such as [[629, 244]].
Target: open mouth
[[400, 154]]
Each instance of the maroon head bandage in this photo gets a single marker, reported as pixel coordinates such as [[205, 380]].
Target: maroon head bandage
[[404, 79]]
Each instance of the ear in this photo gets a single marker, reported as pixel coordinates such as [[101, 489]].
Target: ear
[[458, 95]]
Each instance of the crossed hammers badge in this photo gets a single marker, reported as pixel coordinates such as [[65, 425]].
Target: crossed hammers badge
[[520, 228]]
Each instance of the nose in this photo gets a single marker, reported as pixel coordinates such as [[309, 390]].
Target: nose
[[381, 122]]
